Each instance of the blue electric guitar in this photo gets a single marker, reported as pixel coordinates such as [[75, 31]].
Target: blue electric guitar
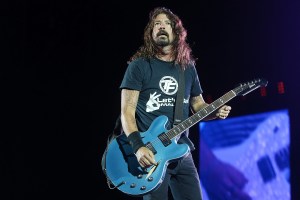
[[121, 166]]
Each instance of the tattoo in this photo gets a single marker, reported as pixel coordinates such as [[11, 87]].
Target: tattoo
[[129, 102], [195, 99], [197, 103], [131, 98]]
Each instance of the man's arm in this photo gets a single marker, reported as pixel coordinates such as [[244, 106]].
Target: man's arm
[[129, 99], [197, 103]]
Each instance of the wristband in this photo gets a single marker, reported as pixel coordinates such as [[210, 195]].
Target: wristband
[[135, 140]]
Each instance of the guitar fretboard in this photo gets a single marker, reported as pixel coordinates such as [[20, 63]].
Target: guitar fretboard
[[192, 120]]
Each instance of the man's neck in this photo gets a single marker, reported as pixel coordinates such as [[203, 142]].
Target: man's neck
[[167, 58], [167, 54]]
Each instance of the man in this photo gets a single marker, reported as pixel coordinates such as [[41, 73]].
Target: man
[[149, 90]]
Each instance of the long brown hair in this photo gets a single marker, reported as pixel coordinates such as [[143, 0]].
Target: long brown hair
[[181, 49]]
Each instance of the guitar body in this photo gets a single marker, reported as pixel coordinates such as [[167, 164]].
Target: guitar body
[[124, 170], [121, 166]]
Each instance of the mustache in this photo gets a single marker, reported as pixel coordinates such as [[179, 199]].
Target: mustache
[[162, 32]]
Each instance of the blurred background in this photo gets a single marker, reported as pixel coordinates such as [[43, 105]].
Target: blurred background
[[63, 61]]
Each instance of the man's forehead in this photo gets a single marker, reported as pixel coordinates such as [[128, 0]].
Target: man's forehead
[[161, 17]]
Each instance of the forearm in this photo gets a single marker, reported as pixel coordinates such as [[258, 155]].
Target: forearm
[[129, 100], [198, 103], [211, 116], [128, 123]]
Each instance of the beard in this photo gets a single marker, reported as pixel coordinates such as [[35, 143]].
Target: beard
[[162, 41]]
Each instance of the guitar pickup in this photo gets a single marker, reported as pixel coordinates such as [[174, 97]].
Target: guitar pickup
[[150, 146], [164, 139]]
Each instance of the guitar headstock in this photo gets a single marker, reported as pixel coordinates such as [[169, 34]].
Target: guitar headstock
[[245, 88]]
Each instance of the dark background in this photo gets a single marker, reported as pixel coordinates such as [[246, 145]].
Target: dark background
[[63, 61]]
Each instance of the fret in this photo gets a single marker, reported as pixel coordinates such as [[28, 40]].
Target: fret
[[201, 114]]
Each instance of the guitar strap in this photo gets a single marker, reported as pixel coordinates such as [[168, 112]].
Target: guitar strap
[[178, 112]]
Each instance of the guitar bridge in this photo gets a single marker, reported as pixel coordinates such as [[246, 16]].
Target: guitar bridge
[[152, 170]]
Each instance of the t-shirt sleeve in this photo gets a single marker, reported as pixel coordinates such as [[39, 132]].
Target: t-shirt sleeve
[[133, 77]]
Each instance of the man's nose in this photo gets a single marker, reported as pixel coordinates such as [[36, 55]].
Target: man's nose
[[162, 27]]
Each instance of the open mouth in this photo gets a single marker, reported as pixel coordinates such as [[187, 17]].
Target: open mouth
[[162, 36], [162, 33]]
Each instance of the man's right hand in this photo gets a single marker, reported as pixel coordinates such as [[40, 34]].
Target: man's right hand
[[145, 157]]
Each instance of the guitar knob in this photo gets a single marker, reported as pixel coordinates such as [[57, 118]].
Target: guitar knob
[[132, 185], [143, 188], [150, 179], [140, 176]]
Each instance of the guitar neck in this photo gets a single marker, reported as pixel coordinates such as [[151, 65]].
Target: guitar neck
[[198, 116]]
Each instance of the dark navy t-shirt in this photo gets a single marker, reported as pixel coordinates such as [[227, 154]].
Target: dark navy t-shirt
[[157, 82]]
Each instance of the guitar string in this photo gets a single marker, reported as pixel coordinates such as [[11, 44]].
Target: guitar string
[[189, 122]]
